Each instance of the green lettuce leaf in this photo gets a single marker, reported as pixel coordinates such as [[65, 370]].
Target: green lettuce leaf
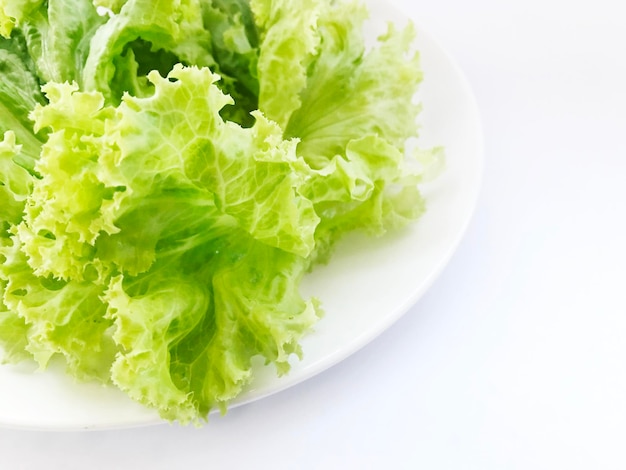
[[58, 34], [352, 93], [194, 332], [179, 221], [369, 188], [351, 108], [169, 172], [100, 162], [12, 12], [15, 183], [253, 174], [289, 40], [113, 6], [235, 47], [13, 334], [13, 329], [19, 93], [145, 36], [53, 318]]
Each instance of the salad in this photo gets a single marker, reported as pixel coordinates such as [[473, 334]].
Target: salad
[[169, 172]]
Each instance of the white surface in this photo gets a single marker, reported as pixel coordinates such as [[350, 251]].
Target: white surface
[[515, 358], [367, 286]]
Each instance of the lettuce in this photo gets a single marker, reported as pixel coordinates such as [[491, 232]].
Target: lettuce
[[169, 172]]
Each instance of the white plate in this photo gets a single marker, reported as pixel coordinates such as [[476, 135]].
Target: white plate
[[367, 286]]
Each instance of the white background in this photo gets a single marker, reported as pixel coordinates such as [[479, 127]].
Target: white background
[[516, 357]]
